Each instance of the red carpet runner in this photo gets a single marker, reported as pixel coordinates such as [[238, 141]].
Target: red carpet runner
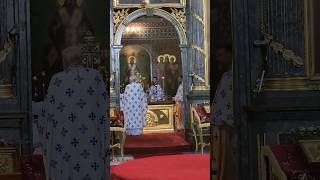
[[176, 167], [155, 144]]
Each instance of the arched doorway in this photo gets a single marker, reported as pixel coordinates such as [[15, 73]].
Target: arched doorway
[[117, 46]]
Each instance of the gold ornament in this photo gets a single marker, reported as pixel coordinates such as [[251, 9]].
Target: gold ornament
[[163, 58], [118, 17], [179, 15]]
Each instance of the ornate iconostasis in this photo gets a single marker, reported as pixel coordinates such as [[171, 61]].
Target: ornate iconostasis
[[162, 39], [152, 48], [57, 24]]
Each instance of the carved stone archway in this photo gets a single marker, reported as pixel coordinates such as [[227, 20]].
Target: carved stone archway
[[116, 46]]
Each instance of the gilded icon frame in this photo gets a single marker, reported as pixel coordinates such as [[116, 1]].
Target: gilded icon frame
[[181, 4], [8, 160]]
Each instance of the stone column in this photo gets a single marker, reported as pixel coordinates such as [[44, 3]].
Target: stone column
[[116, 70], [186, 85]]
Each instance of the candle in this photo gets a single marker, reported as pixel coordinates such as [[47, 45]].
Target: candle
[[163, 83]]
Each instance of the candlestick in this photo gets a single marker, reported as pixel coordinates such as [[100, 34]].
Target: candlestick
[[163, 85]]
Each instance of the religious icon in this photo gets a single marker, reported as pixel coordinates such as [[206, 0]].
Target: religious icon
[[69, 17], [132, 66]]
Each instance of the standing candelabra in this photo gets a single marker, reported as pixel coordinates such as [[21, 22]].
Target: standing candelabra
[[163, 85]]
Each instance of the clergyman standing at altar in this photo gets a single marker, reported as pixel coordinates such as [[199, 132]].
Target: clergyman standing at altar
[[178, 98], [134, 105], [155, 91]]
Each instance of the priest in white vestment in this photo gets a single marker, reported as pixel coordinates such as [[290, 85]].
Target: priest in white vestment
[[224, 143], [74, 126], [155, 91], [135, 108], [178, 98]]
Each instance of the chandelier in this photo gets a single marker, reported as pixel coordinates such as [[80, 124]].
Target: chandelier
[[133, 29]]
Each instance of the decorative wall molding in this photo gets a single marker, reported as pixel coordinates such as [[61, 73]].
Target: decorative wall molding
[[280, 49], [199, 49], [152, 33], [291, 84], [199, 18], [198, 77]]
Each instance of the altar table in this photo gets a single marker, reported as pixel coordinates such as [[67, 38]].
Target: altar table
[[160, 115]]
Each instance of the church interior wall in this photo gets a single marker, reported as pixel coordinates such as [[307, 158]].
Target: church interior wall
[[272, 111], [221, 31], [15, 115]]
